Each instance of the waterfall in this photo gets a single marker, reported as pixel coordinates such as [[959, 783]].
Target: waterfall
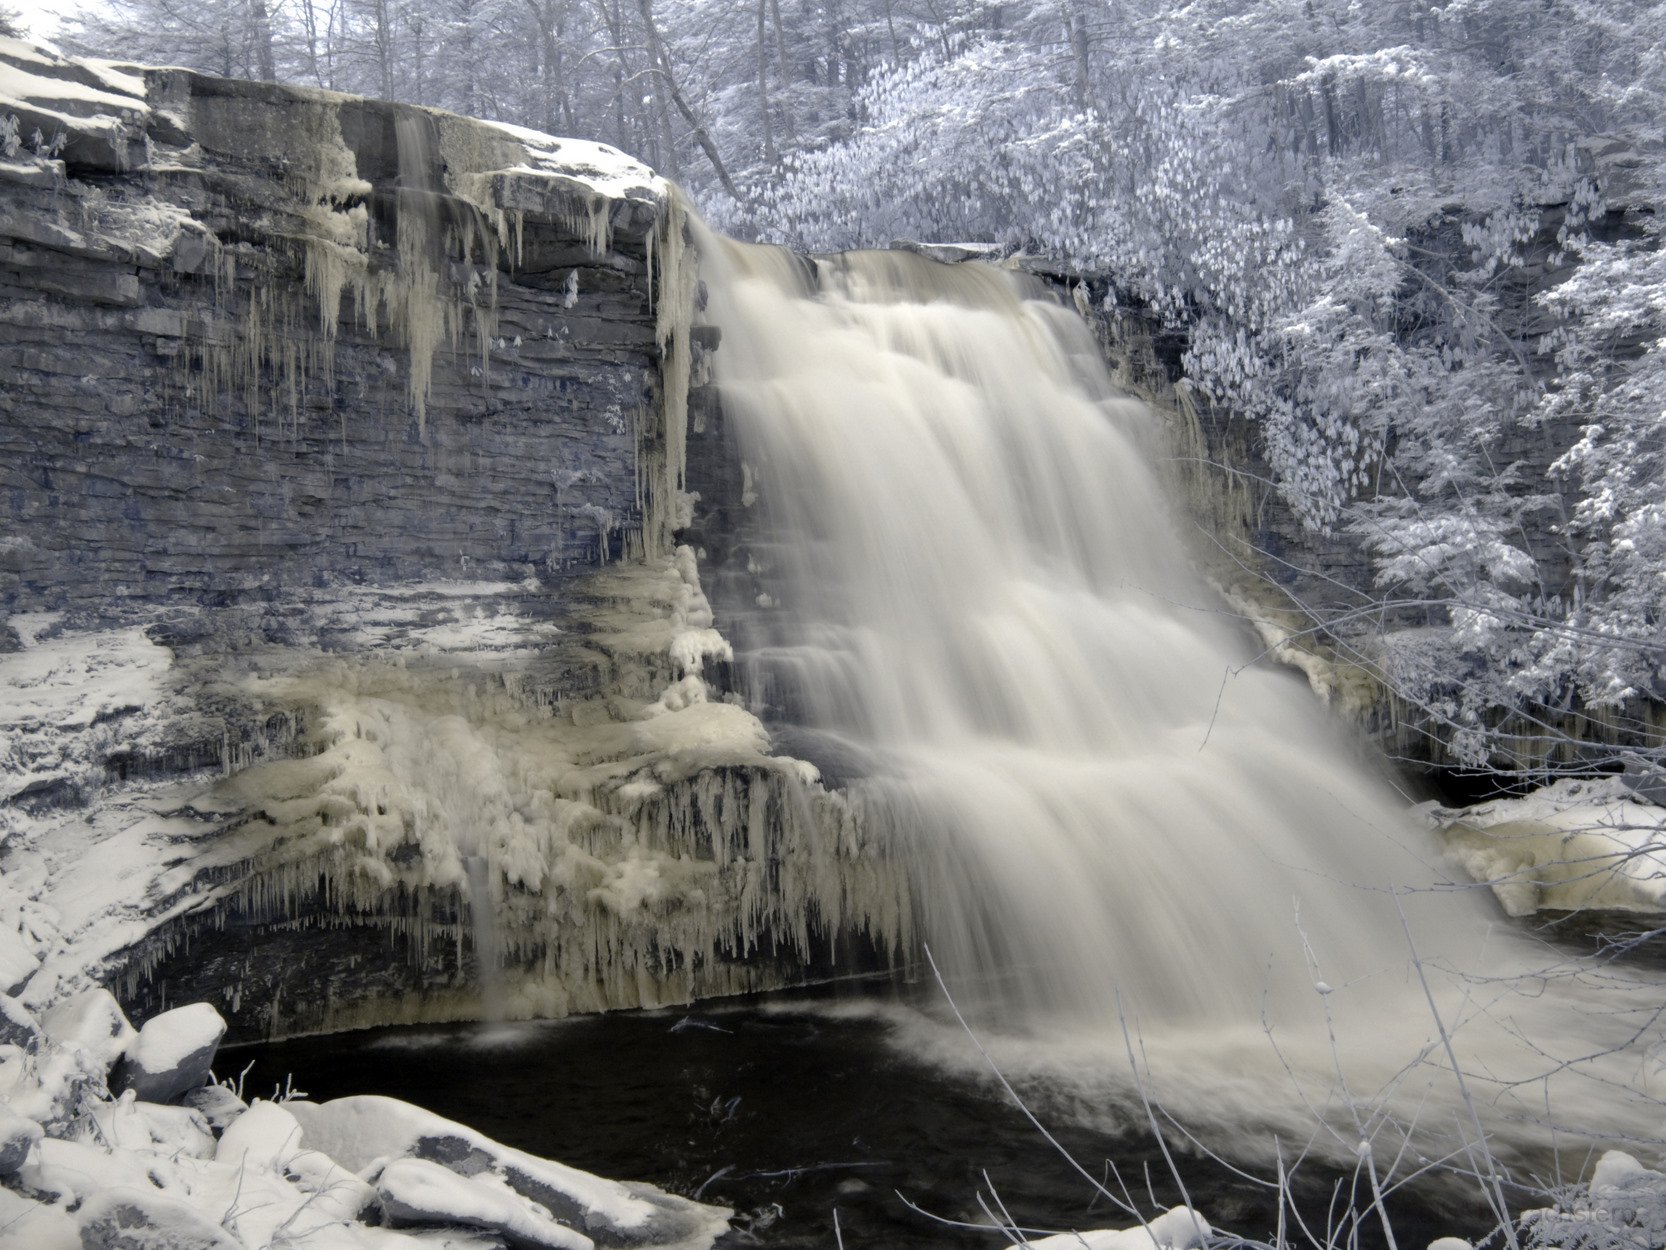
[[973, 601], [488, 948]]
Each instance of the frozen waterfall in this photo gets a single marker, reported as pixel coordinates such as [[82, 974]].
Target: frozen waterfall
[[1113, 816]]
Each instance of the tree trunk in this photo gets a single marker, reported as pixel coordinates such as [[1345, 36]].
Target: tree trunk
[[1076, 31], [763, 82], [786, 78], [260, 28], [662, 62]]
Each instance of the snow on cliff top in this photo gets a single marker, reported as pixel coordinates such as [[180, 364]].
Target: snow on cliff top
[[608, 170], [105, 97]]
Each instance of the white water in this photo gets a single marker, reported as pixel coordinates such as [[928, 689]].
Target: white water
[[1115, 822]]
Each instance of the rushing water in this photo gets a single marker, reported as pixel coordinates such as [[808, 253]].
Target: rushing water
[[1133, 848]]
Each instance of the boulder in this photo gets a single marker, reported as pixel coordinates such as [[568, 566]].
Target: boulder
[[419, 1193], [19, 1028], [359, 1130], [132, 1219], [219, 1106], [92, 1020], [173, 1054], [18, 1135]]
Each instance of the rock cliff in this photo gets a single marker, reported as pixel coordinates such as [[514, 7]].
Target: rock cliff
[[350, 669]]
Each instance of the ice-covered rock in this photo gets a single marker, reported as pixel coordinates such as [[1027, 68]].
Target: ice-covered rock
[[137, 1219], [358, 1131], [92, 1020], [174, 1053], [417, 1192], [1577, 843]]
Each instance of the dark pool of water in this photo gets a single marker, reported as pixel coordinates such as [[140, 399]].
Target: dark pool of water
[[792, 1116]]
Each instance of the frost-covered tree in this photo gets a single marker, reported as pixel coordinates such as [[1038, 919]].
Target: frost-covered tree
[[1389, 233]]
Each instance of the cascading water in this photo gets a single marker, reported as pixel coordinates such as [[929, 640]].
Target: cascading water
[[1115, 822]]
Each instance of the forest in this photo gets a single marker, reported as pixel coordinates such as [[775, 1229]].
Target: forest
[[1414, 244]]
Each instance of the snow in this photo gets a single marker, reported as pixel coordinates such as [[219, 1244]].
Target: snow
[[37, 1225], [93, 1021], [416, 1188], [35, 75], [171, 1038], [357, 1131], [1575, 843], [604, 169], [1179, 1228]]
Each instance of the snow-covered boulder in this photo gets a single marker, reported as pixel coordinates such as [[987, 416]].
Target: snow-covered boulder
[[18, 1135], [37, 1225], [136, 1219], [359, 1131], [218, 1105], [92, 1020], [173, 1054], [418, 1193], [17, 961], [267, 1137], [18, 1027]]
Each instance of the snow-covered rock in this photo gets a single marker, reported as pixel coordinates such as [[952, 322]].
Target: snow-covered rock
[[92, 1020], [18, 1027], [18, 1136], [174, 1053], [415, 1192], [81, 1169], [137, 1219], [359, 1131], [1578, 843], [218, 1105]]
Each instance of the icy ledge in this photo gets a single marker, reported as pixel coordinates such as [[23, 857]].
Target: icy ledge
[[87, 1163], [1580, 843], [530, 818]]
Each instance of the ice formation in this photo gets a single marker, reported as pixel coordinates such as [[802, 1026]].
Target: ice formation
[[1579, 843], [635, 838]]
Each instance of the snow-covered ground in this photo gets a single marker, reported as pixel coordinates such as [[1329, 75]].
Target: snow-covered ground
[[89, 1162]]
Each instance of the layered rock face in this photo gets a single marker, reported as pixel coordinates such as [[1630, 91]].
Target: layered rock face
[[256, 337], [351, 671]]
